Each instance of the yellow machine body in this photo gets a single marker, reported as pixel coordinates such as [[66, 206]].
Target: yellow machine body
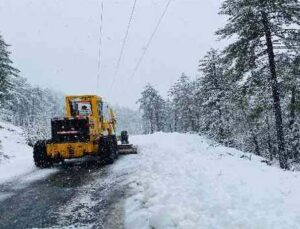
[[101, 122], [71, 150]]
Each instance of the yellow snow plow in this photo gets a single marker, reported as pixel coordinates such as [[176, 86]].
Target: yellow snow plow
[[89, 128]]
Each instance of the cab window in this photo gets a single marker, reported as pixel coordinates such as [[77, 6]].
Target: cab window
[[105, 111], [81, 108], [100, 105]]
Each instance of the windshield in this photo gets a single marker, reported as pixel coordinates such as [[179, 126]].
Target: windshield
[[81, 108]]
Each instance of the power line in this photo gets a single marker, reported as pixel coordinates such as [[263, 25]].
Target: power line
[[100, 46], [124, 42], [150, 39]]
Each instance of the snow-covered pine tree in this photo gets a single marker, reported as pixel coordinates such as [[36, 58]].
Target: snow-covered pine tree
[[7, 71], [289, 70], [24, 105], [170, 116], [32, 108], [294, 109], [256, 25], [252, 113], [182, 97], [214, 92], [153, 107]]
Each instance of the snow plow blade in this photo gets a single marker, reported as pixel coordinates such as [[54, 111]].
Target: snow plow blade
[[125, 149]]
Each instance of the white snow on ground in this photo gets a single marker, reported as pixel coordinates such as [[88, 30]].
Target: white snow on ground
[[16, 160], [16, 155], [185, 181]]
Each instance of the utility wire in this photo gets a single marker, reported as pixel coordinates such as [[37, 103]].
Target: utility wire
[[124, 43], [100, 47], [150, 40]]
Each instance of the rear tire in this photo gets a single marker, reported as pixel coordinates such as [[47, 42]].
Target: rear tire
[[108, 149], [40, 157]]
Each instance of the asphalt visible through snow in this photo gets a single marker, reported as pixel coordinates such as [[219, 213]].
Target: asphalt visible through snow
[[80, 194]]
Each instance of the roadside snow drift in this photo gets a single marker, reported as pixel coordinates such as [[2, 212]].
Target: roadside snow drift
[[184, 181], [16, 160], [15, 154]]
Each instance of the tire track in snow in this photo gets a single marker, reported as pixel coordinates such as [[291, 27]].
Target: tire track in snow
[[76, 195]]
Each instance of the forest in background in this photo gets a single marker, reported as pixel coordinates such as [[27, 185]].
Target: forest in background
[[24, 105], [247, 95], [32, 107]]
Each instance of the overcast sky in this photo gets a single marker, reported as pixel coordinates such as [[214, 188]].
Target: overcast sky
[[55, 43]]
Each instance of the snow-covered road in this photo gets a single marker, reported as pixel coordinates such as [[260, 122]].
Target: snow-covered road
[[176, 181], [78, 195], [183, 181]]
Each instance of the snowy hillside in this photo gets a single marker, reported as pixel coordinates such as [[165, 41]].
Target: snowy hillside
[[15, 154], [16, 162], [184, 181]]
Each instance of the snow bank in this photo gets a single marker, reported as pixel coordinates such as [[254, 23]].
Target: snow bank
[[184, 181], [16, 160], [15, 154]]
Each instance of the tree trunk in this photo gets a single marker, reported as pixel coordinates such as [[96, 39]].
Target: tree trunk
[[275, 93], [293, 131], [257, 150], [271, 151], [221, 129], [192, 121], [157, 120], [293, 107], [151, 127], [254, 137], [151, 123], [175, 121]]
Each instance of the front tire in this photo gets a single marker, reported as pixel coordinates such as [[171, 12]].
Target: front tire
[[40, 157]]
